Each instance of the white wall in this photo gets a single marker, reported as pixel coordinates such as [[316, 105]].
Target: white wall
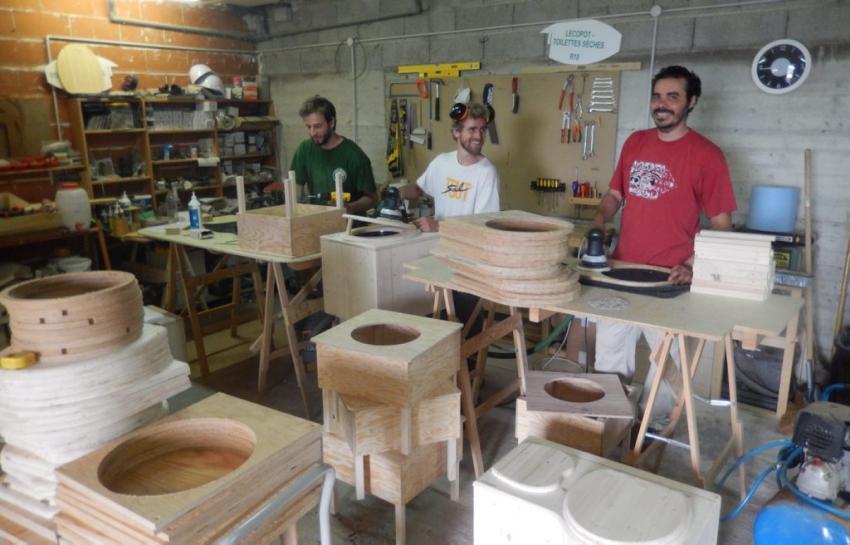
[[763, 136]]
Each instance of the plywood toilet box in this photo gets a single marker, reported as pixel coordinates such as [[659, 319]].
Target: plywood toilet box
[[368, 427], [388, 357], [596, 435], [392, 476], [544, 493], [270, 230], [72, 316], [188, 477], [363, 270]]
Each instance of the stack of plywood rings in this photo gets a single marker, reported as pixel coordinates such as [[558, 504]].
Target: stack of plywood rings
[[101, 373], [72, 316], [512, 257]]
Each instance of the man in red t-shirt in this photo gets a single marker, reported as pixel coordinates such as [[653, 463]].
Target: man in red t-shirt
[[665, 178]]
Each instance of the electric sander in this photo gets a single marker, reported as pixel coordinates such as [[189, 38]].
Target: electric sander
[[392, 206], [592, 252]]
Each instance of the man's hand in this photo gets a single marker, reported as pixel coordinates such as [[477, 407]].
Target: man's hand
[[681, 274], [427, 224]]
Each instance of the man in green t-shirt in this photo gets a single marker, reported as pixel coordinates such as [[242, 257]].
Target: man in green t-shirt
[[325, 152]]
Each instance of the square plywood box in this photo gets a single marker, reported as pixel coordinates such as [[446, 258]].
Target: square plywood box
[[369, 427], [598, 436], [388, 357], [186, 477], [270, 230], [364, 269], [391, 476]]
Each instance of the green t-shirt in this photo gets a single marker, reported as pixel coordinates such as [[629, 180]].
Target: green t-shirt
[[315, 166]]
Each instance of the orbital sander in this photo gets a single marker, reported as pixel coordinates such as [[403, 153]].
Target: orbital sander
[[591, 255], [392, 206]]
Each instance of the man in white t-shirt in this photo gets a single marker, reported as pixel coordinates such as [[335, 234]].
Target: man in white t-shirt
[[463, 181]]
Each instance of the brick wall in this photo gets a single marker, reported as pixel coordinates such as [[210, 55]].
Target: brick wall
[[25, 23]]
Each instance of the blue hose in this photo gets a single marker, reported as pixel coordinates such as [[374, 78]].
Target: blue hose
[[832, 388], [754, 452], [743, 503], [784, 443]]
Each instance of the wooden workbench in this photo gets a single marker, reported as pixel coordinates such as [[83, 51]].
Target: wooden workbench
[[698, 316], [294, 308]]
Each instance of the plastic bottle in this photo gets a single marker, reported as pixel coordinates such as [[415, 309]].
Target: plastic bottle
[[124, 201], [74, 207], [194, 213], [172, 203]]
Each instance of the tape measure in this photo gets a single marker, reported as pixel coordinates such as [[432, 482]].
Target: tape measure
[[18, 360]]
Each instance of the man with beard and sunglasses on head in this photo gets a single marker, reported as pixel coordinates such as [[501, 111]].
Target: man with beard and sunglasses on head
[[319, 157], [462, 181], [665, 178]]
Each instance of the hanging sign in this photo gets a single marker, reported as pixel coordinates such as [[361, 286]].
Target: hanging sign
[[584, 41]]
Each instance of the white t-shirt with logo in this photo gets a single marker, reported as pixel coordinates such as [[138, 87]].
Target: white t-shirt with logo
[[460, 190]]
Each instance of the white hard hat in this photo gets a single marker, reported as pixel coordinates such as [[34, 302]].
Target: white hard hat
[[198, 71], [201, 74]]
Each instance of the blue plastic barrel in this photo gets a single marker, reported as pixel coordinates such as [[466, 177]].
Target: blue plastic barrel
[[773, 208]]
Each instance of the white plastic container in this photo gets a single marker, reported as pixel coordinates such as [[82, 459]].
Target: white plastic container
[[73, 204]]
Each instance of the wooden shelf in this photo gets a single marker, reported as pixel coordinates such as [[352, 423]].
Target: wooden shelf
[[179, 131], [111, 181], [29, 171], [245, 156], [174, 161], [585, 201], [114, 131], [253, 126]]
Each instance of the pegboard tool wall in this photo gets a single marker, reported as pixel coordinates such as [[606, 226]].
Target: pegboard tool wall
[[529, 141]]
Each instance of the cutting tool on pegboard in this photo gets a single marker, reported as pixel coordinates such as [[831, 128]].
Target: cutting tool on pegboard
[[489, 96]]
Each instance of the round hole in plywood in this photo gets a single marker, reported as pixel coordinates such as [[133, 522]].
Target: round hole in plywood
[[375, 233], [177, 456], [521, 225], [384, 334], [574, 390]]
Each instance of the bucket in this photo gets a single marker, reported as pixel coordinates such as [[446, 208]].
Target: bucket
[[74, 208], [773, 208]]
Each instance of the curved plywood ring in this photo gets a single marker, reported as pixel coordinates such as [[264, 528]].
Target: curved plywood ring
[[71, 297], [504, 256], [88, 347], [54, 333], [494, 271], [57, 318]]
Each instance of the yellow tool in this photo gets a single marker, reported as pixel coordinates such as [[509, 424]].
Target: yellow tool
[[18, 360], [346, 196], [446, 70]]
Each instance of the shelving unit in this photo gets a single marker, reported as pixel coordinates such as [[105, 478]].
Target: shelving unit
[[242, 135]]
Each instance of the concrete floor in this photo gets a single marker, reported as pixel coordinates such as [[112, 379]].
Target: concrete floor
[[432, 517]]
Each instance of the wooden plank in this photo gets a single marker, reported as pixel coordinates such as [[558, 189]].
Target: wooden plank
[[278, 436], [388, 357], [270, 230], [586, 394], [369, 427]]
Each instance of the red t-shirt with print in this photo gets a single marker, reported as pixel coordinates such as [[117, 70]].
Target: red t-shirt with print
[[665, 186]]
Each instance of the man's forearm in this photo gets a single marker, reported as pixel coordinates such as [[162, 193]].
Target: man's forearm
[[410, 191], [607, 210], [362, 204]]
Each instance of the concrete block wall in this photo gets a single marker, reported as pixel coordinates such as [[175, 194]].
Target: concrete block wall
[[762, 135]]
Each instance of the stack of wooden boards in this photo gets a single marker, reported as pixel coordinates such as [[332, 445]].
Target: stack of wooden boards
[[190, 478], [513, 257], [733, 264], [392, 410], [101, 373]]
